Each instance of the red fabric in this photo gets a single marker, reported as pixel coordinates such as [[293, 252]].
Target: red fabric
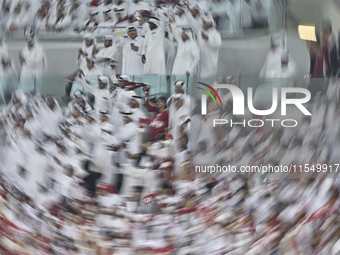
[[159, 124], [128, 86], [107, 187], [169, 136], [149, 198], [94, 3], [3, 194], [187, 210], [164, 249]]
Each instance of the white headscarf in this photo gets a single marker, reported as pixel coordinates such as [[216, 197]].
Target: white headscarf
[[91, 36]]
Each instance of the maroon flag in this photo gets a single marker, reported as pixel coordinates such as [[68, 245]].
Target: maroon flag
[[149, 198], [128, 86]]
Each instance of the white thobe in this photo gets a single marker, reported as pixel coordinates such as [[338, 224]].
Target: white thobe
[[3, 50], [64, 23], [272, 62], [176, 118], [187, 57], [132, 62], [169, 56], [32, 68], [91, 75], [209, 49], [81, 61], [234, 11], [102, 97], [138, 114], [220, 8], [112, 53], [34, 127], [128, 134], [104, 27], [103, 157], [181, 21], [138, 6], [9, 81], [154, 51], [17, 21]]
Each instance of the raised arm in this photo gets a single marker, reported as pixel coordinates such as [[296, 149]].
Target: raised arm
[[195, 27], [175, 31], [88, 87]]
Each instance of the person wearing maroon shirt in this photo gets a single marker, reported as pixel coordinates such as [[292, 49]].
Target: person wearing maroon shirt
[[160, 123]]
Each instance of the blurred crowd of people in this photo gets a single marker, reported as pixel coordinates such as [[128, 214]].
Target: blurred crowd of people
[[114, 171], [76, 15], [119, 177]]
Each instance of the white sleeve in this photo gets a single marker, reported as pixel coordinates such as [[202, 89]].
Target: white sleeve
[[215, 41], [89, 88], [145, 44], [195, 27], [38, 59], [126, 135], [175, 32], [196, 58], [141, 40]]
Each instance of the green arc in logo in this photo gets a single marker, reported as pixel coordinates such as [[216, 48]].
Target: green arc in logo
[[207, 91]]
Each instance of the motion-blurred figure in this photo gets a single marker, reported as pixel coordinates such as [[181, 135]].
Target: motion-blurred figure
[[33, 62]]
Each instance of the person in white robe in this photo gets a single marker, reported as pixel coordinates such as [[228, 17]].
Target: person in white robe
[[273, 58], [51, 115], [9, 78], [105, 27], [128, 134], [109, 52], [120, 4], [135, 107], [102, 157], [61, 22], [33, 62], [78, 99], [153, 52], [101, 94], [180, 18], [121, 18], [209, 42], [132, 51], [91, 23], [180, 88], [180, 113], [5, 16], [234, 11], [137, 5], [169, 52], [16, 20], [89, 47], [78, 12], [129, 146], [121, 97], [219, 10], [3, 47], [91, 74], [188, 53], [141, 23], [33, 126], [106, 4], [281, 78], [40, 21]]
